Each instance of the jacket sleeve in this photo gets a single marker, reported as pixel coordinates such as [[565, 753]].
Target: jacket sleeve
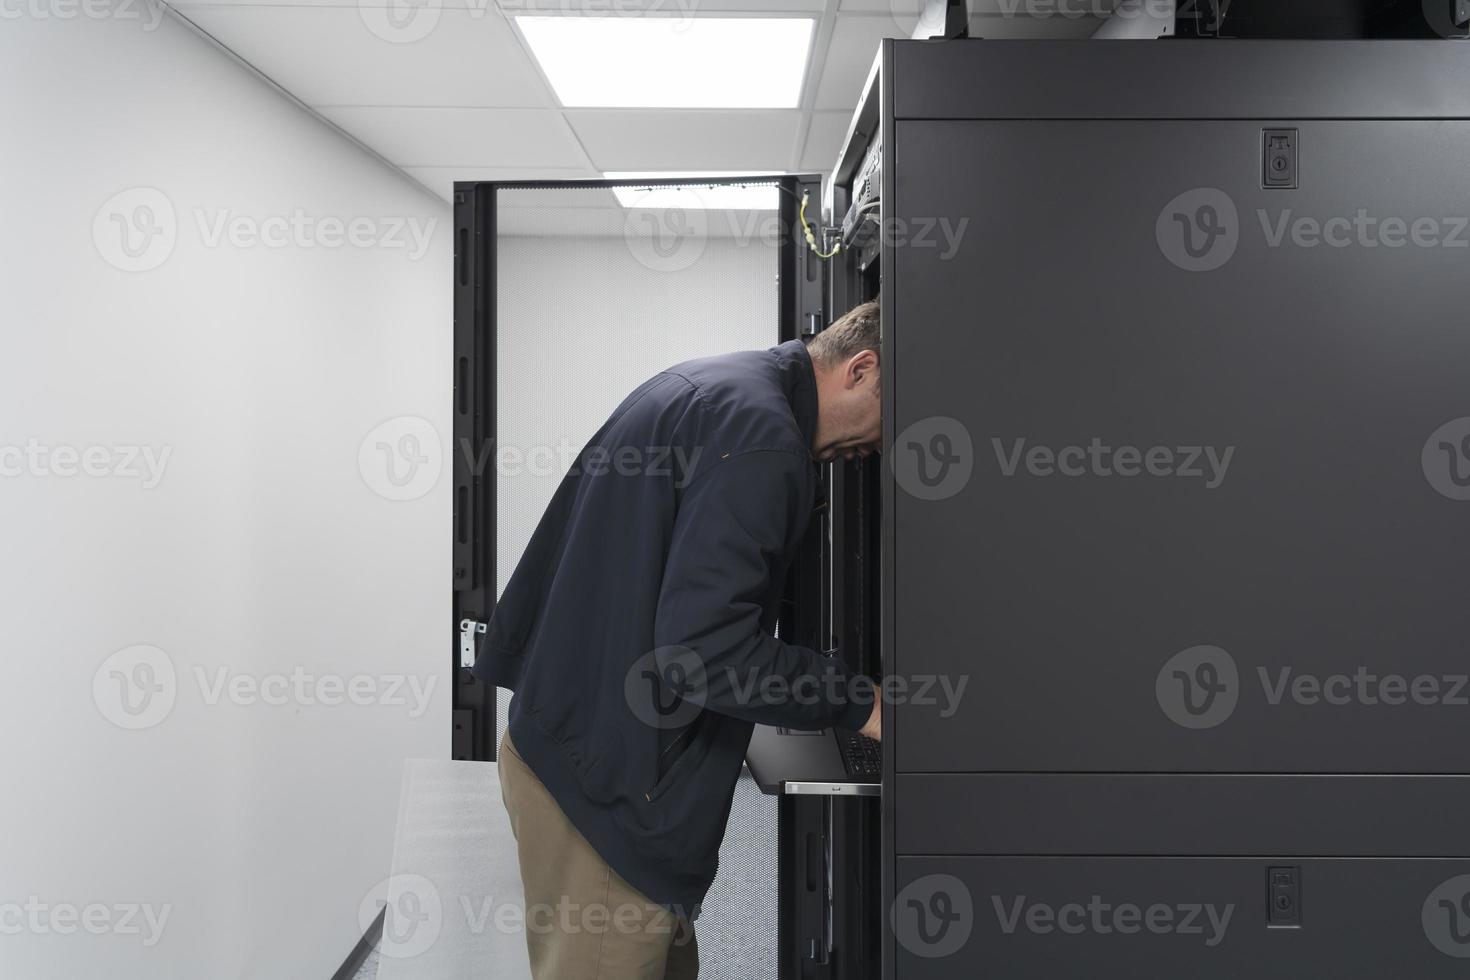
[[735, 530]]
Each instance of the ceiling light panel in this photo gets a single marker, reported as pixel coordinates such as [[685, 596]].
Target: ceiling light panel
[[672, 62]]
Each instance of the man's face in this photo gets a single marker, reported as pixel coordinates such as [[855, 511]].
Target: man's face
[[849, 410]]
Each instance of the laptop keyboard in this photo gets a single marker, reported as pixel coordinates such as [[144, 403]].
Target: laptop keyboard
[[862, 756]]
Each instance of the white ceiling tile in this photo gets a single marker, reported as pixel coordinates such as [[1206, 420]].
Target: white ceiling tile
[[505, 138], [824, 141], [452, 94], [855, 43], [900, 15], [344, 56], [699, 140], [441, 180]]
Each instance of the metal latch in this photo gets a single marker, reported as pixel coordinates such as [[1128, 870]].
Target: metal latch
[[468, 629]]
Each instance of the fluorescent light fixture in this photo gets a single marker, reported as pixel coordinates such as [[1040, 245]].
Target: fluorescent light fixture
[[694, 195], [672, 62]]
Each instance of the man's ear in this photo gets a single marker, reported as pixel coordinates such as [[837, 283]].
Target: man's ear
[[862, 366]]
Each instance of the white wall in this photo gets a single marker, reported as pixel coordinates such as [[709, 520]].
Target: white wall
[[581, 324], [265, 547]]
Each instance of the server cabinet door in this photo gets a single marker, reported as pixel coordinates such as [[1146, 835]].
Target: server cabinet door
[[1211, 514], [1181, 505]]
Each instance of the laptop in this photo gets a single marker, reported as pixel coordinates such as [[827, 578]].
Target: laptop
[[783, 761]]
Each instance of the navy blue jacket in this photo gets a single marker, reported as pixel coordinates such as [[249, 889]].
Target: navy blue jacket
[[637, 630]]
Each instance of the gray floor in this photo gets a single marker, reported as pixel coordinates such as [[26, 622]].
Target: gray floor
[[737, 933]]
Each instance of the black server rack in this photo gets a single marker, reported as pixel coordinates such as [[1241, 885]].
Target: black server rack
[[1177, 475]]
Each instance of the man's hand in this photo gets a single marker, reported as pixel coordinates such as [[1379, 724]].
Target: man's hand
[[874, 728]]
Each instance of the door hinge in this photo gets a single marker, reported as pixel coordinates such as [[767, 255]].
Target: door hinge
[[468, 630]]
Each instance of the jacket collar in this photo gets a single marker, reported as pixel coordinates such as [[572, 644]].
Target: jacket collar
[[799, 381]]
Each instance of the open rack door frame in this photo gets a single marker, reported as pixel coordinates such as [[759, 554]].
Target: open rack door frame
[[804, 825], [473, 573]]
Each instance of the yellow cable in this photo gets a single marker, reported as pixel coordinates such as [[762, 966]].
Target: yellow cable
[[811, 236]]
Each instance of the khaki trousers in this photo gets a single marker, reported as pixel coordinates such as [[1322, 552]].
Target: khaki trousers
[[583, 921]]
